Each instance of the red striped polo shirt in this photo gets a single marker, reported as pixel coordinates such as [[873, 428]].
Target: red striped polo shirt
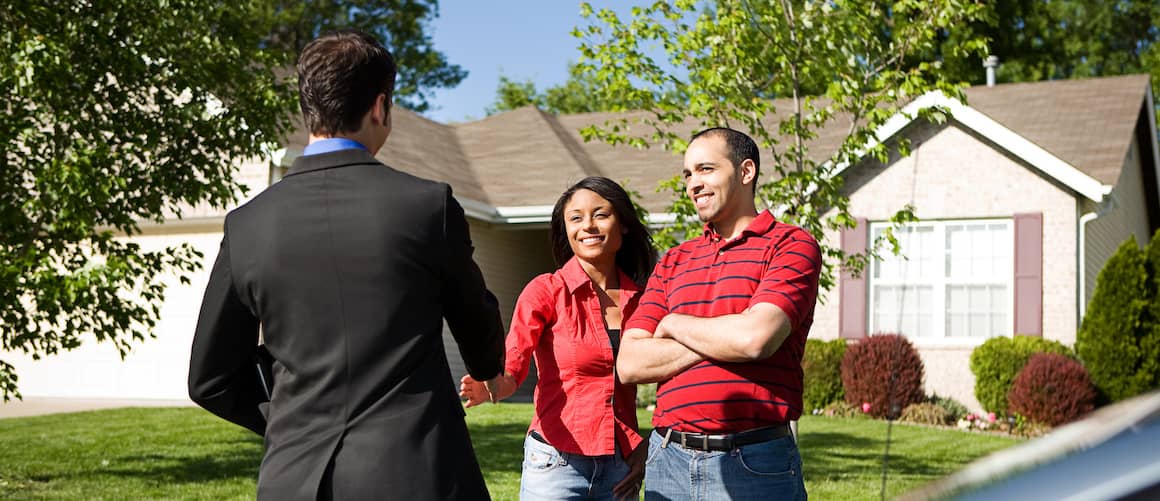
[[770, 262]]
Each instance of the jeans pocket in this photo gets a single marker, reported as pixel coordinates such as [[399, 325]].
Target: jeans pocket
[[654, 448], [777, 458], [540, 457]]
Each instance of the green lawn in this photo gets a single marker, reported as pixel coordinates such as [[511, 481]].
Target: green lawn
[[185, 453]]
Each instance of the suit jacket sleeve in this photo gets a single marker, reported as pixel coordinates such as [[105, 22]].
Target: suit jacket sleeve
[[471, 310], [222, 375]]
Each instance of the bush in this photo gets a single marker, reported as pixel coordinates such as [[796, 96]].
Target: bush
[[842, 409], [822, 369], [646, 395], [926, 413], [996, 362], [1116, 319], [955, 409], [885, 371], [1052, 389]]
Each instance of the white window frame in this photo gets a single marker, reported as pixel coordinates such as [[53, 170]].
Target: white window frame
[[939, 284]]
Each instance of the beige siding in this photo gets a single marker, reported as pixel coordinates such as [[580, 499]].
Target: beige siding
[[955, 174], [510, 258], [1127, 217]]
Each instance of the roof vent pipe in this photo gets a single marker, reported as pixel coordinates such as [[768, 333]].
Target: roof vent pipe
[[990, 63]]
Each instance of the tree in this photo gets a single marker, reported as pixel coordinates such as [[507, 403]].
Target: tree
[[575, 95], [116, 113], [1116, 340], [734, 57], [400, 24], [119, 112], [1058, 39]]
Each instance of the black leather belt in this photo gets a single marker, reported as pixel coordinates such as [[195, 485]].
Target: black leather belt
[[724, 442], [537, 437]]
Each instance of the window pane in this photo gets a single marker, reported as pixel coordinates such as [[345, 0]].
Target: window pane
[[999, 325], [957, 299], [999, 322], [978, 326], [980, 300], [956, 325], [924, 320]]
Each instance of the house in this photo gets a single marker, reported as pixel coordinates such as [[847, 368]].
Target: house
[[1023, 194]]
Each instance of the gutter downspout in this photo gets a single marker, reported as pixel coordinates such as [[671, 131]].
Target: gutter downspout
[[1106, 205]]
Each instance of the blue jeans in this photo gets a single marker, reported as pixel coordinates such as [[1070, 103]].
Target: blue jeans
[[552, 475], [767, 471]]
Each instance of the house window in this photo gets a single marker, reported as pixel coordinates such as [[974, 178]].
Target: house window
[[951, 281]]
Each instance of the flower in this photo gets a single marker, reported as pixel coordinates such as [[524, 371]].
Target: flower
[[991, 417], [865, 406]]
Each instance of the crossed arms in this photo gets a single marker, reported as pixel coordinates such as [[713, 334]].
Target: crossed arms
[[682, 341]]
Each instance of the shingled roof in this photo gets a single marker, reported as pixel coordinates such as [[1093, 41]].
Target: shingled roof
[[526, 157]]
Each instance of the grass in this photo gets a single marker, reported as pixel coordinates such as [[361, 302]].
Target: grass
[[185, 453]]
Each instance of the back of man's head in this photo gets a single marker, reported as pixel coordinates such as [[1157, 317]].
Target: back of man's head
[[339, 76]]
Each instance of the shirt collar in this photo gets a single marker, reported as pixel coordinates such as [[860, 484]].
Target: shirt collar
[[575, 277], [759, 226], [331, 144]]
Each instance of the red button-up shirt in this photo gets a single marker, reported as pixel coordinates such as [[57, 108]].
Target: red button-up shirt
[[558, 317]]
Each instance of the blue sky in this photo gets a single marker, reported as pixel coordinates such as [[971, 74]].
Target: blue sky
[[520, 39]]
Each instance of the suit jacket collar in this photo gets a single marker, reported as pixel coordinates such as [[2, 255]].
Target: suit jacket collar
[[334, 159]]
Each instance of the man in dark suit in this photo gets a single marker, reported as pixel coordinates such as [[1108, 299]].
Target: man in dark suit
[[349, 267]]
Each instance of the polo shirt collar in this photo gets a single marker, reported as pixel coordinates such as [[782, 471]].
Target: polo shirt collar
[[575, 277], [759, 226]]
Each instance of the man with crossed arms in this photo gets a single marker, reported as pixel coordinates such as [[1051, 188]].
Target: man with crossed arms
[[722, 326]]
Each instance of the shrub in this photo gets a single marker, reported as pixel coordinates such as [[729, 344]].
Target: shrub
[[926, 413], [842, 409], [885, 371], [1149, 341], [996, 362], [1108, 338], [822, 369], [955, 409], [1052, 389], [646, 395]]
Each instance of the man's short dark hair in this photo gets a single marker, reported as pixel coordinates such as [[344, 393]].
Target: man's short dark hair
[[739, 147], [340, 75]]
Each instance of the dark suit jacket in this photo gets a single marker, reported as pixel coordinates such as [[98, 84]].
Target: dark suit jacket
[[349, 267]]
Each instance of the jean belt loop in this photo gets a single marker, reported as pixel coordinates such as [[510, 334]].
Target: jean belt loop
[[668, 436]]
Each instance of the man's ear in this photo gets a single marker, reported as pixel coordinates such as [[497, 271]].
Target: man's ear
[[748, 171], [381, 111]]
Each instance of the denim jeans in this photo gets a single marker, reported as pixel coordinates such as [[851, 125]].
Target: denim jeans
[[767, 471], [551, 475]]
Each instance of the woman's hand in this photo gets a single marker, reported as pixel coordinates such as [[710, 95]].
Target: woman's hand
[[492, 390], [629, 488], [474, 391]]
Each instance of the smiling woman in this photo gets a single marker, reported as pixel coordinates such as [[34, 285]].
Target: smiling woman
[[584, 439]]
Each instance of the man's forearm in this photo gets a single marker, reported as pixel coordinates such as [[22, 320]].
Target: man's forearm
[[741, 337], [645, 359]]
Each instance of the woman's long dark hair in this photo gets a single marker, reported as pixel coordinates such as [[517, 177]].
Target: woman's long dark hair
[[636, 256]]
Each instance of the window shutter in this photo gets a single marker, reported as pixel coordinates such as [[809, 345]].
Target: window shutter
[[851, 290], [1029, 274]]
